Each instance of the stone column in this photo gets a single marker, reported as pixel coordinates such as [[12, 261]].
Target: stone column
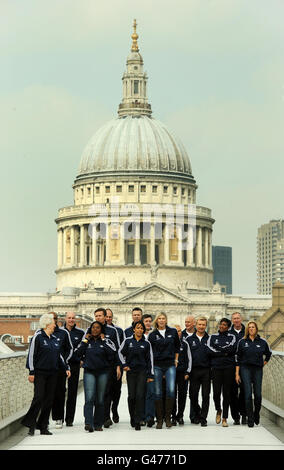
[[59, 248], [64, 245], [210, 248], [180, 243], [152, 245], [189, 256], [82, 245], [206, 248], [199, 247], [94, 246], [137, 261], [166, 245], [72, 245], [107, 242], [122, 244]]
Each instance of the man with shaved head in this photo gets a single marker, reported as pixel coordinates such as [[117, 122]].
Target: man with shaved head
[[189, 323]]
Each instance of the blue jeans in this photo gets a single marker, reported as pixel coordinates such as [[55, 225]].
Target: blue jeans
[[170, 376], [94, 389], [251, 377]]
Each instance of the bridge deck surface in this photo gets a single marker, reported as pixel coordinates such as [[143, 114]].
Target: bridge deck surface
[[122, 437]]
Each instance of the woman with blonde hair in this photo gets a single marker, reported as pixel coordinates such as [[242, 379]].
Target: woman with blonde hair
[[253, 352], [165, 345]]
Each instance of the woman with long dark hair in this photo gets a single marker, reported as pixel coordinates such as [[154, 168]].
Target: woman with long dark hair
[[136, 358]]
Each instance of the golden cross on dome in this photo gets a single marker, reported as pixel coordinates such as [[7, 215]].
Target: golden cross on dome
[[134, 36]]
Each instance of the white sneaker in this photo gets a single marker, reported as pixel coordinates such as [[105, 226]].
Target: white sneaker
[[59, 424]]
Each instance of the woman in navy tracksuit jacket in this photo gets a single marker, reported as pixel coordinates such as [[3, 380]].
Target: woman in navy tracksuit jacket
[[253, 353], [166, 345], [97, 353], [43, 361], [222, 349], [136, 358]]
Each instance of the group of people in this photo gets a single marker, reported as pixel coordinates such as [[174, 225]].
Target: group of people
[[163, 365]]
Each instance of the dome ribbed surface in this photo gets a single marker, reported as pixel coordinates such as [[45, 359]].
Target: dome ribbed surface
[[134, 143]]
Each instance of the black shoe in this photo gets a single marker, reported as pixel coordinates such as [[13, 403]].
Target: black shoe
[[150, 422], [180, 421], [87, 427], [203, 423], [137, 427], [174, 422], [98, 428], [91, 429], [108, 423], [196, 421], [46, 432], [256, 418], [69, 424], [142, 423], [250, 424], [244, 419], [237, 422], [115, 417], [31, 431]]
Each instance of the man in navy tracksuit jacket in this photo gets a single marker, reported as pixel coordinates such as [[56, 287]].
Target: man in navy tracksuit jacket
[[182, 375], [200, 373], [66, 349], [222, 349], [237, 404], [76, 336]]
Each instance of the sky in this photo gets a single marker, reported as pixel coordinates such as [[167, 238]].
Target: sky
[[216, 79]]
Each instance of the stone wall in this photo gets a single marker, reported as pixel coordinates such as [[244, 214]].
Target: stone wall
[[273, 380], [16, 392]]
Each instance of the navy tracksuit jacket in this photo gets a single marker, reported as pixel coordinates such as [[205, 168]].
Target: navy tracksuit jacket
[[253, 353], [137, 355], [44, 354]]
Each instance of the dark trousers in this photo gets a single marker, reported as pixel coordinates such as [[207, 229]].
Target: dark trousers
[[180, 395], [222, 385], [149, 402], [113, 392], [200, 377], [59, 396], [39, 411], [251, 377], [72, 390], [238, 407], [136, 384]]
